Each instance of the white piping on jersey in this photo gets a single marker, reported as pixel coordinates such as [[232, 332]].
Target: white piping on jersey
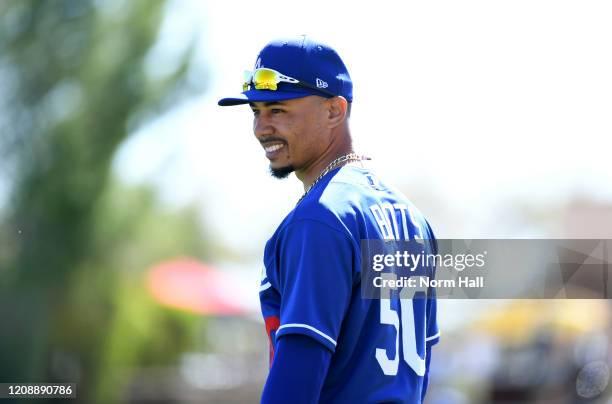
[[327, 337], [433, 337], [264, 286]]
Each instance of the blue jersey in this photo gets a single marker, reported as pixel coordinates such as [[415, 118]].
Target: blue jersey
[[311, 285]]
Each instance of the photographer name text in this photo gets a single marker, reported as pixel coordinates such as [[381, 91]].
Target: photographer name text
[[426, 282]]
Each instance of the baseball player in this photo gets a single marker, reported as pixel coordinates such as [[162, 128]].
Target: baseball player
[[328, 344]]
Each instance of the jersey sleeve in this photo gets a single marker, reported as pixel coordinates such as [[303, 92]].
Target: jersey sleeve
[[315, 271], [298, 371]]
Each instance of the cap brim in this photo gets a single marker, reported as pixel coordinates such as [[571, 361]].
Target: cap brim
[[263, 96]]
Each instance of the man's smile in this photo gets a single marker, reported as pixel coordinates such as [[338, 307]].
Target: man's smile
[[273, 148]]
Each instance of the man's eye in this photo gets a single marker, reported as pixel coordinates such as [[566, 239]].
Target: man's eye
[[255, 112], [277, 111]]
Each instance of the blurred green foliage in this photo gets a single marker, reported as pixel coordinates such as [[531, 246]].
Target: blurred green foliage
[[74, 241]]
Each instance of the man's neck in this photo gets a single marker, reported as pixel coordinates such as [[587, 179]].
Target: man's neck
[[314, 170]]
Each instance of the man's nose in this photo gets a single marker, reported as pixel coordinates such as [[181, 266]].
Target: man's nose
[[262, 126]]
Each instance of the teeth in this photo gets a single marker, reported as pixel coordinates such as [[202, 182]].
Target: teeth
[[272, 148]]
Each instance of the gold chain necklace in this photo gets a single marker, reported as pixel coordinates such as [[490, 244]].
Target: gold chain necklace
[[345, 159]]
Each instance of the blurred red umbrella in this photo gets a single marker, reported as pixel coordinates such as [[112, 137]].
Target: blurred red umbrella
[[190, 285]]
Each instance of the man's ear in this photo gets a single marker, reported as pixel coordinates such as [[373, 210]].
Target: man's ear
[[337, 110]]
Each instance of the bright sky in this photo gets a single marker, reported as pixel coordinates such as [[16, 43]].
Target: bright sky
[[478, 102]]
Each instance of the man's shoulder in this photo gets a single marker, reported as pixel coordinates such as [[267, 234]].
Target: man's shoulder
[[328, 206], [331, 202], [307, 223], [342, 197], [312, 211]]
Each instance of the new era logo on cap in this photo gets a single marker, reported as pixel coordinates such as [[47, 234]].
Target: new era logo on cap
[[321, 83]]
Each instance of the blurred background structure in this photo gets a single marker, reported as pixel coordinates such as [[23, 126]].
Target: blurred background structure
[[133, 210]]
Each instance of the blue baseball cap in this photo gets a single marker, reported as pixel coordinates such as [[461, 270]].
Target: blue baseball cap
[[311, 62]]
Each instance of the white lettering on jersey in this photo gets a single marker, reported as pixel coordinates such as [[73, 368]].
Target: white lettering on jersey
[[388, 317], [383, 222], [406, 326], [387, 208], [386, 214]]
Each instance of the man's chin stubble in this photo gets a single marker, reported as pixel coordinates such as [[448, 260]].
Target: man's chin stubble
[[281, 172]]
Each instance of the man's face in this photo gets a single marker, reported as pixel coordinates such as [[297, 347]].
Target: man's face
[[292, 132]]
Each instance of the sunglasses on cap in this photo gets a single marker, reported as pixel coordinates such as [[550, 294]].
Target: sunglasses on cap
[[268, 79]]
